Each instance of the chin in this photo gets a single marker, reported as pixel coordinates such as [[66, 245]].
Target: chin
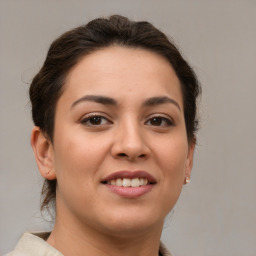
[[127, 223]]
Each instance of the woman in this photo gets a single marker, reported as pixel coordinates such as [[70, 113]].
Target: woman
[[114, 108]]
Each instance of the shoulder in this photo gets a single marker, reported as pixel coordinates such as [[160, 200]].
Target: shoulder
[[34, 244], [13, 253]]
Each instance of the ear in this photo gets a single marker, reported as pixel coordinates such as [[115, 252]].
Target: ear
[[43, 151], [189, 162]]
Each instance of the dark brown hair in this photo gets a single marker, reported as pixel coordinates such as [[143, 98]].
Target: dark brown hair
[[66, 51]]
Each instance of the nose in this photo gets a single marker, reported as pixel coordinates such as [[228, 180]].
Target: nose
[[130, 143]]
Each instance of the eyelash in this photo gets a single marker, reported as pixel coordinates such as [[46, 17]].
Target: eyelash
[[98, 118], [168, 121]]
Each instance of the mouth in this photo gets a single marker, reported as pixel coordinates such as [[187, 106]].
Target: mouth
[[130, 184], [136, 182]]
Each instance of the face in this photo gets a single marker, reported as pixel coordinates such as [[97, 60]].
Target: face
[[120, 151]]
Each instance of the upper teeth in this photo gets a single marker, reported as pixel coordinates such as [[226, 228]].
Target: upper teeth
[[136, 182]]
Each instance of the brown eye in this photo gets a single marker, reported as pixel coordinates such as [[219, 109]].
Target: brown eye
[[156, 121], [95, 121], [159, 121]]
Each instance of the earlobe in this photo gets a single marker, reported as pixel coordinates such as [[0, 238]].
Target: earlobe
[[43, 152], [189, 162]]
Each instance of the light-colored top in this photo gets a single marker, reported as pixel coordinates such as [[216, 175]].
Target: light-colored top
[[36, 245]]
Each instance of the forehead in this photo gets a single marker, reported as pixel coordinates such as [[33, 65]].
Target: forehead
[[114, 70]]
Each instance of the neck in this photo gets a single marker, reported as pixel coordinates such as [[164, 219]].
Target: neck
[[76, 240]]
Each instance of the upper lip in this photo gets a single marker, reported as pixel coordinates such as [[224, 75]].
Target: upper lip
[[129, 175]]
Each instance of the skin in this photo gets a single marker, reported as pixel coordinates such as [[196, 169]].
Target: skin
[[125, 136]]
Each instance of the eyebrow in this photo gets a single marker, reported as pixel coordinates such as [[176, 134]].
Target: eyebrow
[[161, 100], [110, 101], [96, 98]]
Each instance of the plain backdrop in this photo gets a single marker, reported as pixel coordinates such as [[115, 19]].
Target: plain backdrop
[[216, 212]]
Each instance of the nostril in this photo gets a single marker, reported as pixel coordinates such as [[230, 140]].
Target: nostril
[[122, 154], [130, 157]]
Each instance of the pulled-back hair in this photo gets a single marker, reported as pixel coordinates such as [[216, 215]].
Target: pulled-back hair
[[67, 50]]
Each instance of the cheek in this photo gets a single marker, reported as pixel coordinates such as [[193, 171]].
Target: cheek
[[74, 172], [172, 161], [77, 159], [173, 157]]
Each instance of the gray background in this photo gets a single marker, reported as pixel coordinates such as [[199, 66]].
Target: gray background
[[216, 212]]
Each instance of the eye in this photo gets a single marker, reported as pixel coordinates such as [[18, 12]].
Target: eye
[[95, 120], [159, 121]]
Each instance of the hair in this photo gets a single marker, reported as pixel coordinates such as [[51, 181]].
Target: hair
[[67, 50]]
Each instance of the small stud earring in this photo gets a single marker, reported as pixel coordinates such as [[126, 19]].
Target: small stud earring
[[187, 180]]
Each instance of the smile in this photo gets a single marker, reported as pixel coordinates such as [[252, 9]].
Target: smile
[[136, 182], [129, 184]]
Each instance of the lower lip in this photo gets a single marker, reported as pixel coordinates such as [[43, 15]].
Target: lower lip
[[130, 192]]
